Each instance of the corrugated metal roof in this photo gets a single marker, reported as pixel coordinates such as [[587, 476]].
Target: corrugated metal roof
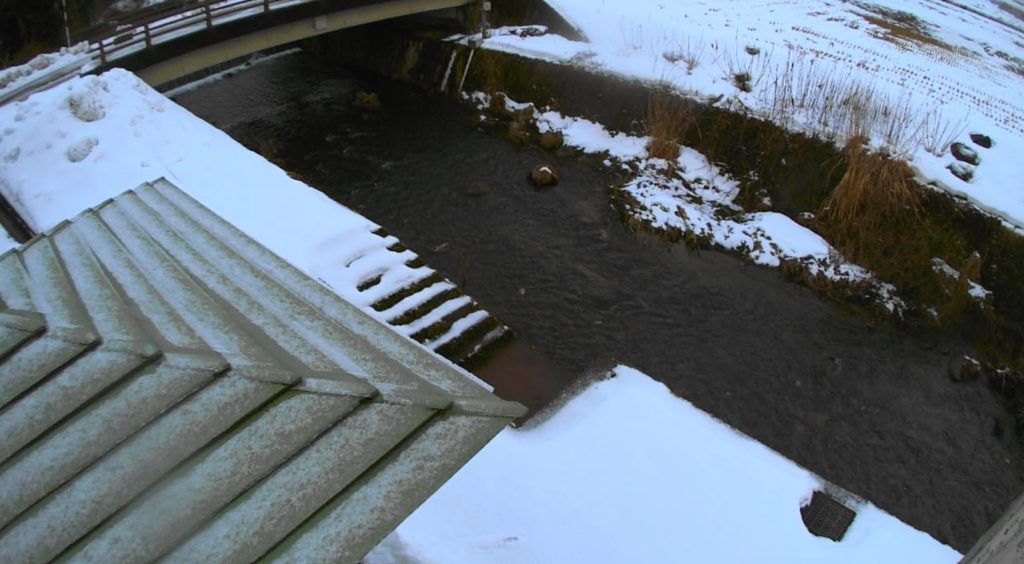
[[171, 389]]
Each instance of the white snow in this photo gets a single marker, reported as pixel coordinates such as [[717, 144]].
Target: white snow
[[627, 472], [975, 290], [43, 69], [804, 57], [6, 242]]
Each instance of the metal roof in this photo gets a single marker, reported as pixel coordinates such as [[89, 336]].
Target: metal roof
[[170, 389]]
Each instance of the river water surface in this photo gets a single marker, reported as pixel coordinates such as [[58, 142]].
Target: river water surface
[[867, 408]]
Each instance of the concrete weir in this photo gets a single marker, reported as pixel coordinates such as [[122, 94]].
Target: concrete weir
[[270, 37]]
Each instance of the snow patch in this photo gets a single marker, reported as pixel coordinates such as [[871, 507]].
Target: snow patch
[[628, 472], [85, 103]]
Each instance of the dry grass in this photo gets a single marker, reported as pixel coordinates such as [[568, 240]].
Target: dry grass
[[668, 119], [900, 33], [489, 71], [687, 53], [805, 93], [874, 191], [747, 68]]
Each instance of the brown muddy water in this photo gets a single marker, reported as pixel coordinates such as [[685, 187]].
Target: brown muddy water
[[868, 408]]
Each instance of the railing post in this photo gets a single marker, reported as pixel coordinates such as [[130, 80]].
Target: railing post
[[103, 54], [266, 6], [485, 12], [209, 16], [145, 30]]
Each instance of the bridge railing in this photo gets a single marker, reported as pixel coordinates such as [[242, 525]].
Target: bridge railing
[[137, 34]]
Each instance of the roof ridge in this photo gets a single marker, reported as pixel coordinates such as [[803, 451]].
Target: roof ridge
[[18, 327], [424, 363], [286, 317], [151, 272], [37, 358]]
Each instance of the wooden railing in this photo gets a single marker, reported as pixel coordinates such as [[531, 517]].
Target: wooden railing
[[113, 41]]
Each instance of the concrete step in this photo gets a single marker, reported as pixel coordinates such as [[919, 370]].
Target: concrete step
[[422, 310]]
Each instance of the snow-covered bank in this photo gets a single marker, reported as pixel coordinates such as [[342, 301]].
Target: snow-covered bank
[[695, 198], [926, 73], [627, 472]]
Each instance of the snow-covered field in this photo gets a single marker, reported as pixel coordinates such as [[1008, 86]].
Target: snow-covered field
[[942, 71], [627, 472]]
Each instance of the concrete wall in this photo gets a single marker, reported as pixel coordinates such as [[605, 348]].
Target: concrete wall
[[270, 37], [1004, 542]]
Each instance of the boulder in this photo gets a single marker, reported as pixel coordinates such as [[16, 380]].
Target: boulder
[[981, 140], [963, 171], [552, 140], [544, 175], [963, 368], [965, 154]]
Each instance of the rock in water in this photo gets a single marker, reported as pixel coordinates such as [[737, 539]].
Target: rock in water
[[552, 140], [544, 175]]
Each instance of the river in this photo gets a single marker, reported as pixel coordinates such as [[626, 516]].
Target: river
[[867, 407]]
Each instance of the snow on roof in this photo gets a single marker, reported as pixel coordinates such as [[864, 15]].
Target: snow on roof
[[170, 388]]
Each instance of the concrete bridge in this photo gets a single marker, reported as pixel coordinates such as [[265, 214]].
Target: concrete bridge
[[170, 44]]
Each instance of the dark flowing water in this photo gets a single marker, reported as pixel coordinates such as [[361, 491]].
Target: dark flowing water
[[869, 409]]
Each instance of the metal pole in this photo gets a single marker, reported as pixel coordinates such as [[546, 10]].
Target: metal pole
[[485, 11], [465, 71], [67, 30]]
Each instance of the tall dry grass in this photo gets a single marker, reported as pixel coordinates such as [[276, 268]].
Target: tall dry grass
[[807, 93], [875, 189], [668, 119]]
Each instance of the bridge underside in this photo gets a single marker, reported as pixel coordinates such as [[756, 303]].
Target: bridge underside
[[157, 68]]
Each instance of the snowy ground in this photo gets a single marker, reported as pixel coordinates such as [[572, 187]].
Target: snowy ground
[[929, 71], [627, 472]]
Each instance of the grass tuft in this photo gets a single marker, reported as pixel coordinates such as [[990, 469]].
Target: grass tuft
[[668, 119]]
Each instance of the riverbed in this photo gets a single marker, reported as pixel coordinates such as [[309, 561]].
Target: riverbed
[[867, 407]]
